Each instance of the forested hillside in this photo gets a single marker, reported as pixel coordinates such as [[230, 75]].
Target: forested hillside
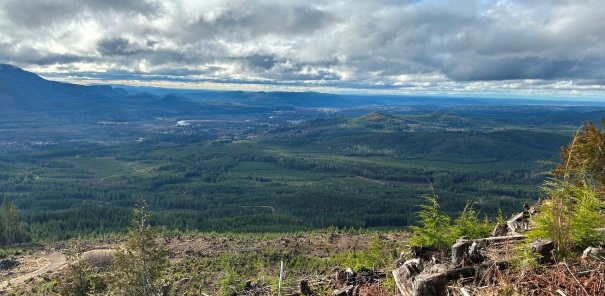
[[360, 171]]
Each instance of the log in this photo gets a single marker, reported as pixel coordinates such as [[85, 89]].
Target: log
[[593, 252], [497, 239], [470, 271], [512, 222], [346, 291]]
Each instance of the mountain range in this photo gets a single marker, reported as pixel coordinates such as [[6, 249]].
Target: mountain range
[[26, 91]]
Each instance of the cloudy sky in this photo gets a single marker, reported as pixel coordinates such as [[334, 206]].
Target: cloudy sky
[[482, 47]]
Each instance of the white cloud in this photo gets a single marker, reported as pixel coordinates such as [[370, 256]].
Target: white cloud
[[450, 46]]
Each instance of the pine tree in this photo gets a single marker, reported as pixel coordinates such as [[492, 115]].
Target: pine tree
[[586, 154]]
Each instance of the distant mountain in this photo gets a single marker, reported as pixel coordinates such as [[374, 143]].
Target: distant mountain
[[25, 90]]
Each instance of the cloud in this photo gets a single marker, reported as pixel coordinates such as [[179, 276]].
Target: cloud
[[116, 47], [430, 45]]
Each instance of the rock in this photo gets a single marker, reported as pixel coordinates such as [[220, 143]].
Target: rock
[[544, 248], [460, 251]]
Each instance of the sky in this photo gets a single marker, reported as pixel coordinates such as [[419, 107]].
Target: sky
[[463, 47]]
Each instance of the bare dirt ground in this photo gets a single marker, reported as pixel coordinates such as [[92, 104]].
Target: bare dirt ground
[[39, 262], [30, 267]]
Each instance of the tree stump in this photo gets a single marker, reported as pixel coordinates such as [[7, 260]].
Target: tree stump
[[544, 248], [430, 285], [460, 251], [404, 276], [305, 289]]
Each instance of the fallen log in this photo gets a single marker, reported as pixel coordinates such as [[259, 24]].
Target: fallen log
[[497, 239], [470, 271]]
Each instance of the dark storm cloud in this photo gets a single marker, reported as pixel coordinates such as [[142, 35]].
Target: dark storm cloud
[[435, 45]]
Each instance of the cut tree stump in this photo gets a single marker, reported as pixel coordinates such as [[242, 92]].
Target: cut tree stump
[[544, 248], [460, 251]]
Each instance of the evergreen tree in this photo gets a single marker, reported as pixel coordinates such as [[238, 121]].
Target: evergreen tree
[[585, 153], [10, 223], [573, 203], [468, 224], [139, 265], [435, 229], [2, 242]]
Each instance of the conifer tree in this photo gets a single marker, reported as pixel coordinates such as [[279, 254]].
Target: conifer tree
[[435, 226], [468, 224], [10, 222], [2, 242], [572, 207], [141, 262]]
